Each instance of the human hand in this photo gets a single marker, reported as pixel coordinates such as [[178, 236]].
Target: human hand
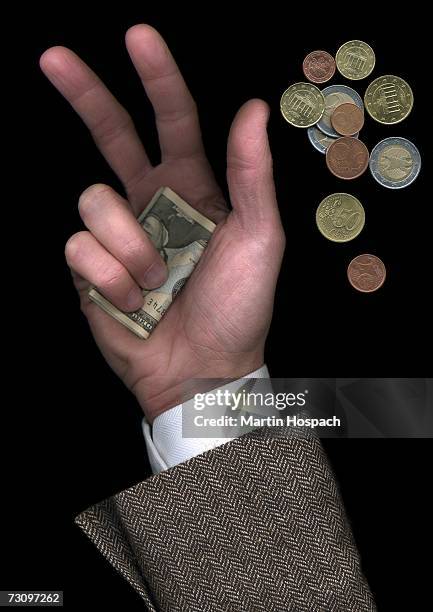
[[217, 326]]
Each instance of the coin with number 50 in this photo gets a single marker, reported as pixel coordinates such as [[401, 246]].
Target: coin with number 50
[[340, 217]]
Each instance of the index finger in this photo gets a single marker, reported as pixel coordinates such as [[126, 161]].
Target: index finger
[[109, 123]]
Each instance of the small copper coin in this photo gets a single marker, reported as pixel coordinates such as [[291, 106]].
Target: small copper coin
[[347, 158], [319, 66], [347, 119], [366, 273]]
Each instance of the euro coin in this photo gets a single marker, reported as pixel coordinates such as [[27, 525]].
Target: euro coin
[[347, 158], [319, 140], [347, 119], [334, 96], [340, 217], [388, 99], [395, 162], [319, 66], [355, 60], [366, 273], [302, 104]]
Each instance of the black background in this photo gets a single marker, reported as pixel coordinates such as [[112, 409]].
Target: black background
[[74, 436]]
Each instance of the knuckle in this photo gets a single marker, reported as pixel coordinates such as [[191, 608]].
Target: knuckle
[[108, 129], [237, 162], [110, 277], [92, 196], [134, 250]]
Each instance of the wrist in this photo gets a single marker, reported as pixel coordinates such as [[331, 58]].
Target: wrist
[[161, 393]]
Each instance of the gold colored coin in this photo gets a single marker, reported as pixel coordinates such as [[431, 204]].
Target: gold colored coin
[[302, 104], [355, 60], [388, 99], [340, 217]]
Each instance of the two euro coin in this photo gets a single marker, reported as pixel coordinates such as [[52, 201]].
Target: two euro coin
[[395, 162]]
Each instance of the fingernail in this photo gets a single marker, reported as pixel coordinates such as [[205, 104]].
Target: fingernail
[[155, 276], [134, 299]]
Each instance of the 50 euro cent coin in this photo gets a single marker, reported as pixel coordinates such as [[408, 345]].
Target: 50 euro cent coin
[[340, 217]]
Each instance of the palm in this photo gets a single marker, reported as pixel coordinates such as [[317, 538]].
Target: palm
[[217, 325], [206, 323]]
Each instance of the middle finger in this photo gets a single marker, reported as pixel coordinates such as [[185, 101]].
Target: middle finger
[[175, 110]]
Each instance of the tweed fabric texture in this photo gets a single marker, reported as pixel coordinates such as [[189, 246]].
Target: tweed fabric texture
[[255, 525]]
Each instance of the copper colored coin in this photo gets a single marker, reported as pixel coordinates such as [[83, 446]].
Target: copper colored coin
[[366, 273], [347, 158], [347, 119], [319, 66]]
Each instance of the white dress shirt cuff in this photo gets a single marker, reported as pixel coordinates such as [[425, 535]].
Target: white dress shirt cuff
[[165, 445]]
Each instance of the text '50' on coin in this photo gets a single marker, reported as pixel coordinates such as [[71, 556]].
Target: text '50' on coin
[[355, 60], [395, 162], [347, 119], [319, 66], [334, 96], [388, 99], [340, 217], [366, 273], [302, 104], [347, 158]]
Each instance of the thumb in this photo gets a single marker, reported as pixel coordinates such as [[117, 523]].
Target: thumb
[[249, 167]]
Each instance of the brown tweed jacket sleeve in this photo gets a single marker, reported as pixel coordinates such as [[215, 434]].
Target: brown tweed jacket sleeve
[[255, 525]]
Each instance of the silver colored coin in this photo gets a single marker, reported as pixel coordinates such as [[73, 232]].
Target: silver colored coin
[[334, 96], [319, 140], [395, 162]]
